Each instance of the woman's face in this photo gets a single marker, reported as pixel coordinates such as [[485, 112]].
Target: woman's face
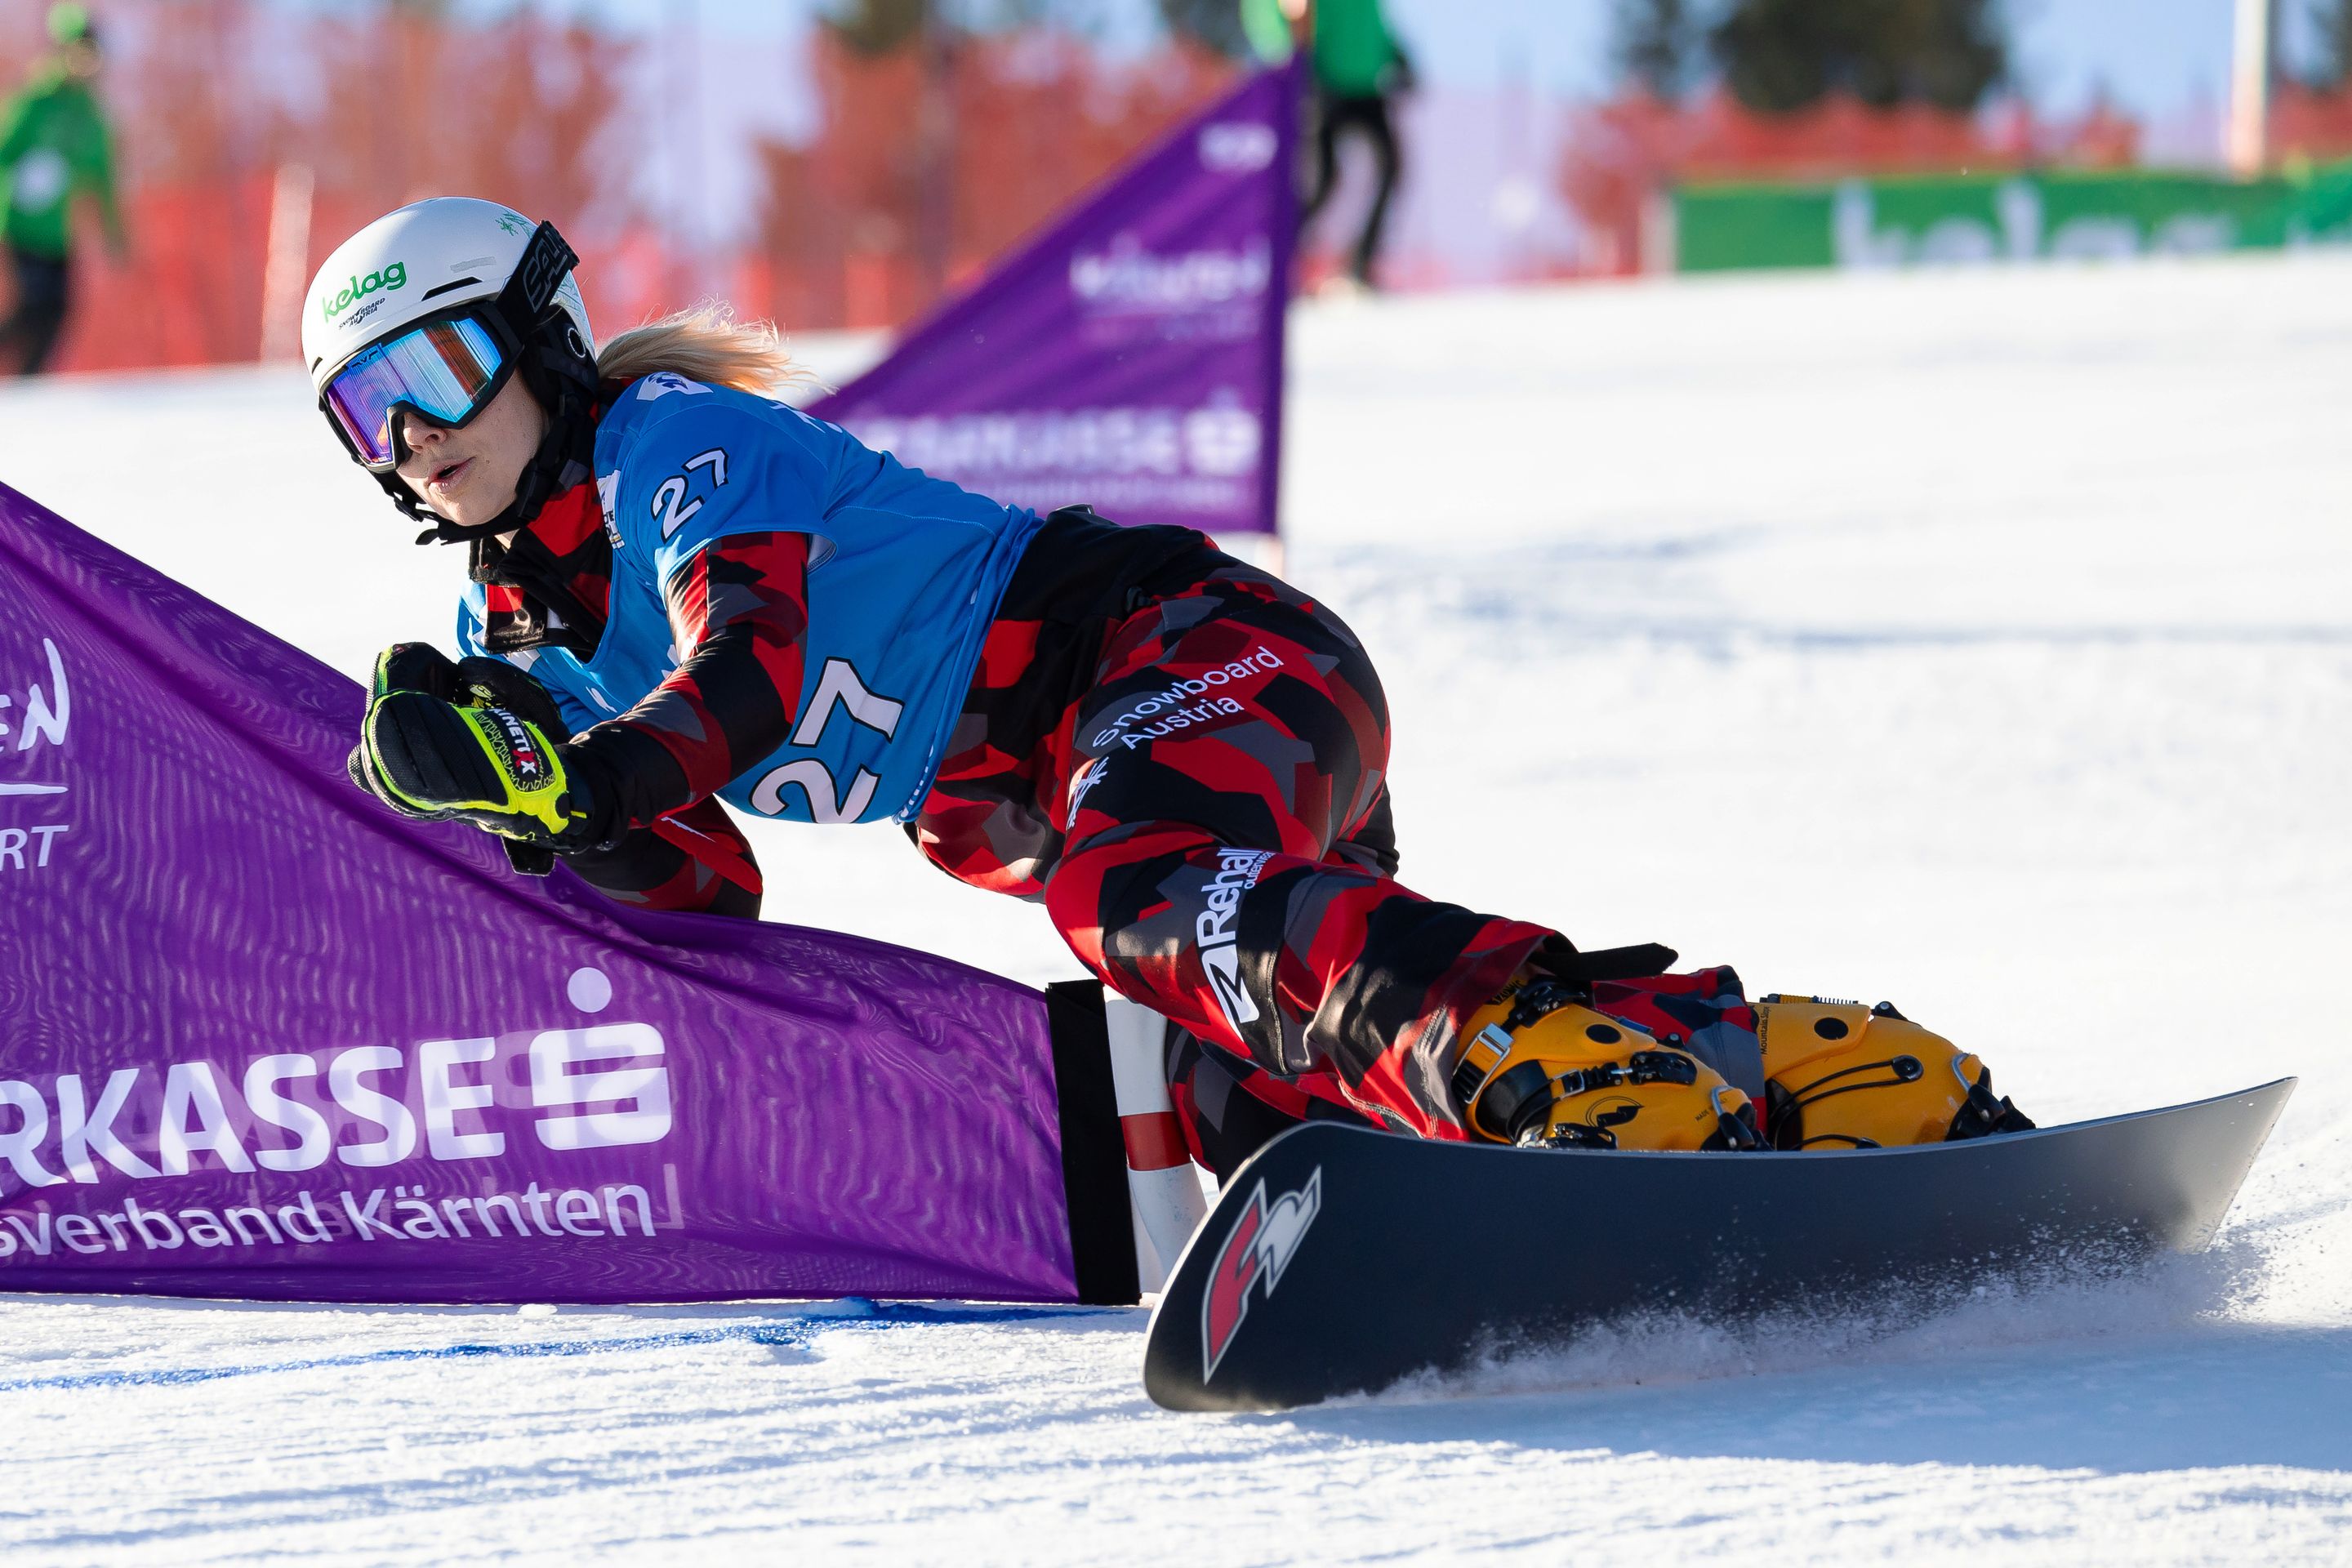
[[469, 476]]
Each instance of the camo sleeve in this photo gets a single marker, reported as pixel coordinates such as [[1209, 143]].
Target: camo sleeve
[[740, 606], [695, 862]]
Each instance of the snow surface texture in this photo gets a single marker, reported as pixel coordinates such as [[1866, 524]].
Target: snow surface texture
[[1977, 640]]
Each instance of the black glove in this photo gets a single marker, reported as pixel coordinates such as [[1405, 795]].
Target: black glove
[[404, 666], [474, 682], [434, 784], [1558, 957], [433, 760]]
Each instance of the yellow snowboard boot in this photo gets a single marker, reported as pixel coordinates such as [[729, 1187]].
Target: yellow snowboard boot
[[1838, 1075], [1539, 1068]]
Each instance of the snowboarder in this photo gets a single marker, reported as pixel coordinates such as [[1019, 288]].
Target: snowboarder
[[682, 591]]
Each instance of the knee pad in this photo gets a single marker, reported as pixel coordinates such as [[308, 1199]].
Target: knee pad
[[1537, 1067], [1838, 1075]]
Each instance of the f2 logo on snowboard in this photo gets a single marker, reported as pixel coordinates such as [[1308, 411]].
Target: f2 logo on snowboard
[[1258, 1248]]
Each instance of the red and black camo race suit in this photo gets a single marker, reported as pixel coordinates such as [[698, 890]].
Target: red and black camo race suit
[[1187, 760]]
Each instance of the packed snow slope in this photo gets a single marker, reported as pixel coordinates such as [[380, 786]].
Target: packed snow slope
[[1977, 640]]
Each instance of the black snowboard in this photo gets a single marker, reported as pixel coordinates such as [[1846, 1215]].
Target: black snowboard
[[1338, 1260]]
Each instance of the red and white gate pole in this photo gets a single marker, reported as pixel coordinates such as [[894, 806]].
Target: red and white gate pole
[[1162, 1186]]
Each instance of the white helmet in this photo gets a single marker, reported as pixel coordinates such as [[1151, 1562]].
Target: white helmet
[[445, 258], [424, 260]]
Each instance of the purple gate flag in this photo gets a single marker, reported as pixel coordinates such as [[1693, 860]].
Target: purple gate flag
[[264, 1038], [1131, 356]]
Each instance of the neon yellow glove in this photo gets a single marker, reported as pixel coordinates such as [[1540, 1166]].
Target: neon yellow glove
[[430, 759]]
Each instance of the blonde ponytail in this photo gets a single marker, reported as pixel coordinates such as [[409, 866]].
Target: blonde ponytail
[[705, 343]]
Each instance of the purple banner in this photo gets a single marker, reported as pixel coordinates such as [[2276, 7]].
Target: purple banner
[[1130, 357], [266, 1039]]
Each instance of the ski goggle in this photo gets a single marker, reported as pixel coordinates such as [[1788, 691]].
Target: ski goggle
[[448, 371]]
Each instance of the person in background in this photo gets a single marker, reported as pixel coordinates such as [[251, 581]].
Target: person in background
[[54, 146], [1360, 69]]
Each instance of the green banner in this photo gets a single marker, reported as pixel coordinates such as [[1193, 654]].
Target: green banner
[[1942, 220]]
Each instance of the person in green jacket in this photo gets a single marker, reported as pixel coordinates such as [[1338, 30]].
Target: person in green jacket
[[1359, 68], [54, 146]]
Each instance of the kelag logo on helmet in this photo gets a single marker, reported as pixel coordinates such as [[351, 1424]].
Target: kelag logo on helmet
[[393, 276]]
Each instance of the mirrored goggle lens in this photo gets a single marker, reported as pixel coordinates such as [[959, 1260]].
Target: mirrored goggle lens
[[442, 370]]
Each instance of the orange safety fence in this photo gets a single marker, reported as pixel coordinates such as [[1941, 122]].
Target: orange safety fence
[[922, 164], [2310, 126], [926, 163]]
